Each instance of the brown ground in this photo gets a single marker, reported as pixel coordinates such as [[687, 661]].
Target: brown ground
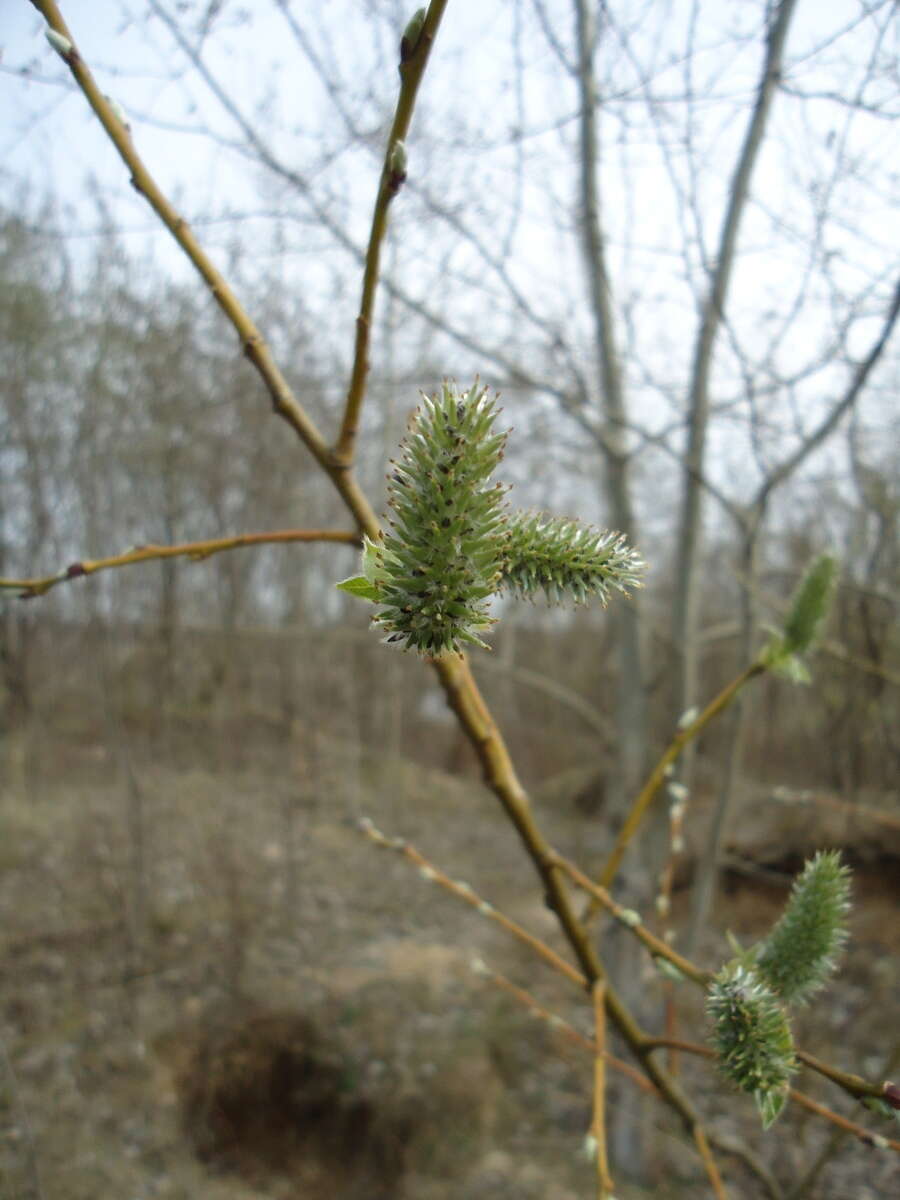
[[213, 985]]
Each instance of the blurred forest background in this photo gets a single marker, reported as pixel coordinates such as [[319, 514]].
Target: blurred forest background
[[686, 301]]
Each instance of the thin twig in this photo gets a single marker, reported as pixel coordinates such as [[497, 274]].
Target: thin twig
[[859, 1131], [560, 1025], [598, 1123], [721, 1141], [255, 348], [195, 551], [464, 891], [709, 1163], [834, 1142], [631, 920], [853, 1085], [549, 865], [412, 67], [659, 774]]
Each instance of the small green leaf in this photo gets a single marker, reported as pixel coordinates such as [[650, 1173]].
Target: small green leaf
[[770, 1106], [358, 585], [371, 561]]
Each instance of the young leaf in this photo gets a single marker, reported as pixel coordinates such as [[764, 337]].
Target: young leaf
[[770, 1104], [358, 585]]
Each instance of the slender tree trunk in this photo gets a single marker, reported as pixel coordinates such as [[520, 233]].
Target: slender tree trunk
[[631, 716], [707, 874], [685, 610]]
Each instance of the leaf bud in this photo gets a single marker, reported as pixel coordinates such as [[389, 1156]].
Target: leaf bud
[[396, 177], [59, 42], [411, 35]]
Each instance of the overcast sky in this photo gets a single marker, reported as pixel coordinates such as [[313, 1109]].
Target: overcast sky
[[492, 145]]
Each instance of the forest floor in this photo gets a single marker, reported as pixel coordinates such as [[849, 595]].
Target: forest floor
[[214, 985]]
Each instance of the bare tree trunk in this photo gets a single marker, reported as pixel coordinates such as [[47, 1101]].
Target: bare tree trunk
[[631, 708], [707, 874], [686, 602]]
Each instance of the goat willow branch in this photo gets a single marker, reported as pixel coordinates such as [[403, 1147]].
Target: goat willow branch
[[461, 691], [415, 47], [783, 654], [194, 551], [257, 351], [452, 543]]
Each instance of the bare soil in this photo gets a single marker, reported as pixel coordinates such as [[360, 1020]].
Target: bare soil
[[213, 985]]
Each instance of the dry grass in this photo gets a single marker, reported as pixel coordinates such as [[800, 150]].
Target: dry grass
[[212, 985]]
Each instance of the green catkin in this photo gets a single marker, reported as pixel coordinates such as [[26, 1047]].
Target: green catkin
[[751, 1036], [566, 560], [809, 606], [440, 561], [802, 950], [451, 543], [808, 610]]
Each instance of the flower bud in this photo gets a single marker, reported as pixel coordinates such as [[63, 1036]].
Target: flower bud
[[411, 35], [59, 42]]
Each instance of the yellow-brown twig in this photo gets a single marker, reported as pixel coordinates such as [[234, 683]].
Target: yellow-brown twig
[[659, 773], [464, 891], [257, 351], [709, 1162], [412, 68], [631, 920], [552, 866], [195, 551], [859, 1131], [560, 1025], [563, 1027], [598, 1122], [853, 1085]]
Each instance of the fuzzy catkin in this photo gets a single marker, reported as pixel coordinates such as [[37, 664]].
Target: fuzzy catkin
[[802, 950], [751, 1034], [567, 560], [440, 561]]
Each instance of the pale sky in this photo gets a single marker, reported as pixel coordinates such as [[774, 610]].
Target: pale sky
[[512, 195]]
